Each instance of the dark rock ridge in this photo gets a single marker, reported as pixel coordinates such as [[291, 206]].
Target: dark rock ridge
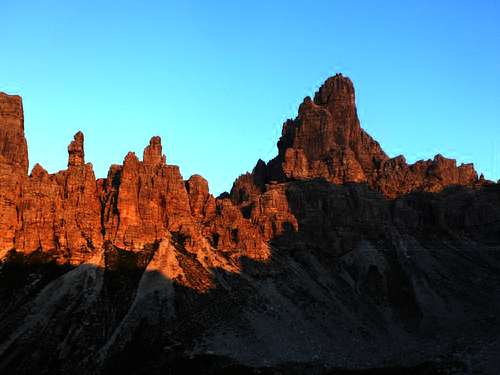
[[331, 255]]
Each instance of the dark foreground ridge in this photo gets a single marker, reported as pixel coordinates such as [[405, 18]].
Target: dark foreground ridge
[[332, 258]]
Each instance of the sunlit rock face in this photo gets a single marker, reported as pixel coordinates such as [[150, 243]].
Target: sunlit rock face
[[326, 141], [331, 255], [13, 146]]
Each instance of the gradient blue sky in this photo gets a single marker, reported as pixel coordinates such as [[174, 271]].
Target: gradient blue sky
[[216, 79]]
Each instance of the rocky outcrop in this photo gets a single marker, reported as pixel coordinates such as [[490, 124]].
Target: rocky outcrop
[[326, 141], [202, 203], [364, 281], [13, 146], [76, 151], [398, 178], [11, 183], [60, 213], [331, 255], [13, 166], [71, 215], [146, 201]]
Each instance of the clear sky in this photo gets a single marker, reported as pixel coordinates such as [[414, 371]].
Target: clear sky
[[216, 79]]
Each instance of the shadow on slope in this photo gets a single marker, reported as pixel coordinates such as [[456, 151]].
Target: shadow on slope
[[360, 271]]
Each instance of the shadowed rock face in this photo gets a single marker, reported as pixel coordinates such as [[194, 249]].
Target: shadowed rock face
[[332, 255]]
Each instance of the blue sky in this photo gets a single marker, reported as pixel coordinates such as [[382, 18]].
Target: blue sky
[[216, 79]]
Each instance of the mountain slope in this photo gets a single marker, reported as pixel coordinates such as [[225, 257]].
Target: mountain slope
[[331, 256]]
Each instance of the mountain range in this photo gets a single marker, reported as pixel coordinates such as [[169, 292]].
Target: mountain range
[[331, 258]]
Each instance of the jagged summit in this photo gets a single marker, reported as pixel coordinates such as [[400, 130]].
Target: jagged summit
[[71, 215], [76, 153], [307, 263], [326, 141], [13, 146], [336, 92], [153, 153]]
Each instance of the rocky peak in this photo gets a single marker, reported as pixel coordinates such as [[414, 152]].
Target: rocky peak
[[153, 153], [326, 141], [76, 153], [336, 93], [13, 146], [197, 188], [38, 172], [141, 202], [131, 159], [328, 125], [293, 245]]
